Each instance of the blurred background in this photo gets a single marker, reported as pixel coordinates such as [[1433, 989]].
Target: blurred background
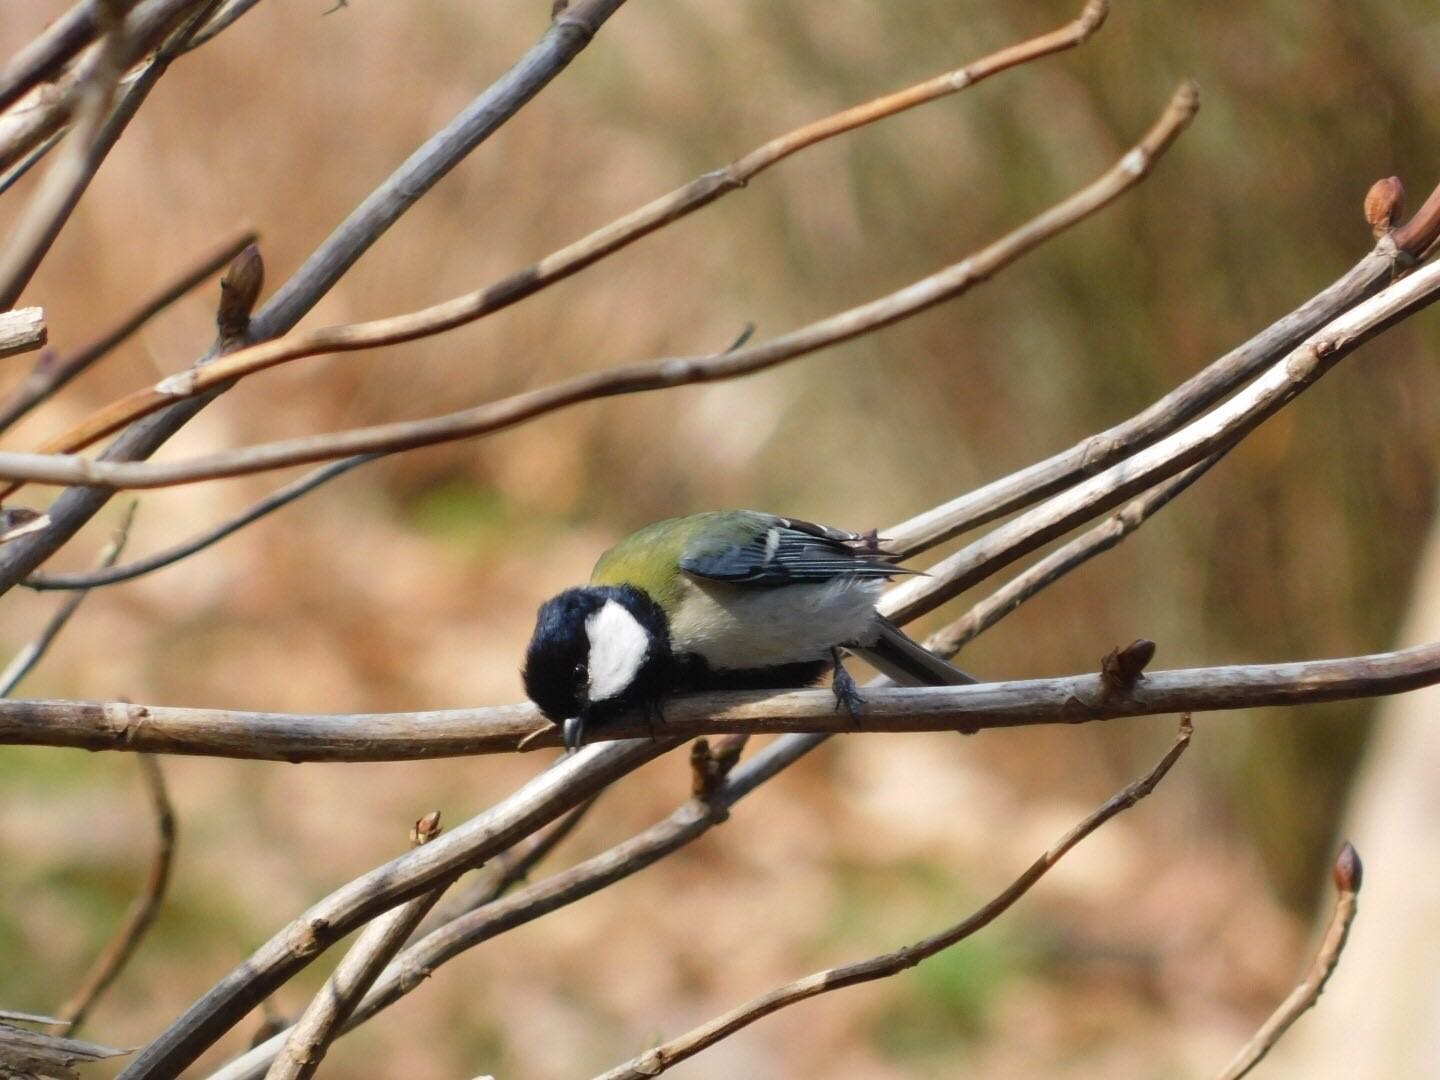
[[1155, 948]]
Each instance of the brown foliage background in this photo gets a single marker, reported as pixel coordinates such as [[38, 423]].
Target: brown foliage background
[[412, 583]]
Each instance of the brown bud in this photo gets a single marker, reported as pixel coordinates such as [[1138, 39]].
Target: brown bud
[[1121, 668], [1383, 204], [18, 521], [1348, 869], [239, 289], [426, 829]]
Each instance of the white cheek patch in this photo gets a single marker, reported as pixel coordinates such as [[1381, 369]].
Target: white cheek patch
[[618, 644]]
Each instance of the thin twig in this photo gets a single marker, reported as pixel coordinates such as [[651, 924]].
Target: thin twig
[[496, 416], [90, 579], [22, 168], [512, 866], [569, 782], [1347, 875], [583, 253], [147, 26], [45, 56], [25, 660], [659, 1059], [68, 178], [1073, 699], [562, 41], [1094, 541], [464, 930], [51, 374], [141, 914], [1394, 253], [310, 1037], [1216, 431]]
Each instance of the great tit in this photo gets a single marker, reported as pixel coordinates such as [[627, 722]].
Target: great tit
[[724, 600]]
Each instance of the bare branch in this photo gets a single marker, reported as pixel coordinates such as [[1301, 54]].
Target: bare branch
[[22, 168], [25, 660], [138, 919], [569, 782], [70, 176], [583, 253], [147, 26], [1347, 875], [657, 1060], [944, 285], [512, 866], [462, 932], [44, 57], [317, 1027], [1074, 699], [22, 330], [1027, 486], [51, 374], [561, 43], [89, 579], [1217, 430], [1099, 538]]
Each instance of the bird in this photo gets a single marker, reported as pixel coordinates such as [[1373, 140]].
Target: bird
[[719, 600]]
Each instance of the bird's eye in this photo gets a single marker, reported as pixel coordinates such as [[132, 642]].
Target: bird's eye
[[580, 671]]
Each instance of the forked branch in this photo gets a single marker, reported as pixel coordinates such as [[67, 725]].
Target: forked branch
[[583, 253], [944, 285], [657, 1060]]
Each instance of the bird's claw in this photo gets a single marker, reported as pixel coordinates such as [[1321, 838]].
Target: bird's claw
[[847, 693]]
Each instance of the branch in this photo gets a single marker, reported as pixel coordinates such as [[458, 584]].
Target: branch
[[464, 931], [22, 330], [1347, 875], [583, 253], [656, 1061], [138, 919], [20, 169], [1094, 541], [317, 1027], [569, 782], [44, 57], [1395, 252], [25, 660], [1074, 699], [1217, 430], [561, 43], [51, 374], [944, 285], [68, 178], [512, 866], [89, 579], [147, 25]]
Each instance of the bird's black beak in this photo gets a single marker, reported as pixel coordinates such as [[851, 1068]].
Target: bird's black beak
[[574, 730]]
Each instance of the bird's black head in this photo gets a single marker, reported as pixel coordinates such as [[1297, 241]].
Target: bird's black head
[[597, 650]]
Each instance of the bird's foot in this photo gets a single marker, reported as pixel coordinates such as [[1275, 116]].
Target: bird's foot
[[847, 693]]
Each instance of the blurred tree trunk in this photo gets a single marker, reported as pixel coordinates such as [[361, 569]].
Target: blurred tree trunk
[[1381, 1013]]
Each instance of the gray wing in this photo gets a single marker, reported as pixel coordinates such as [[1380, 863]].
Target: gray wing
[[784, 551]]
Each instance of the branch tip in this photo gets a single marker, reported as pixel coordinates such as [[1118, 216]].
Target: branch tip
[[426, 829], [239, 290], [1349, 871], [1384, 203]]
